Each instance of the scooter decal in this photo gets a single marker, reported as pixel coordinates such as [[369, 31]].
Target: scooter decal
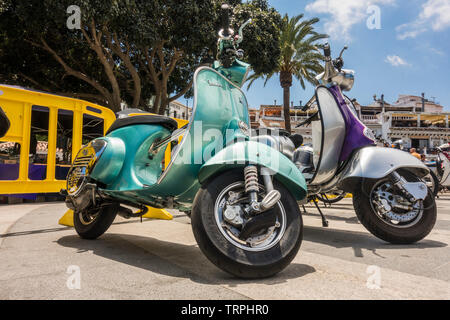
[[355, 137]]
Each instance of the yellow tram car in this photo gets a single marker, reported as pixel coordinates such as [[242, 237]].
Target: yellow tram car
[[46, 131]]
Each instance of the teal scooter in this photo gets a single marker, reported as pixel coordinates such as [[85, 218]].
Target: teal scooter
[[241, 194]]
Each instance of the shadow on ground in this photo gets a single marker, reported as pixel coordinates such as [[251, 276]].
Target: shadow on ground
[[171, 259], [359, 240]]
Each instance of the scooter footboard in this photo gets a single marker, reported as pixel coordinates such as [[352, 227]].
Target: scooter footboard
[[377, 163]]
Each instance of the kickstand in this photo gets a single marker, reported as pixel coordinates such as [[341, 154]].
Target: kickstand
[[324, 220], [304, 209]]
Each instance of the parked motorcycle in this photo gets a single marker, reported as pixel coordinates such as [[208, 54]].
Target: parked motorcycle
[[443, 165], [241, 195], [432, 179], [389, 196]]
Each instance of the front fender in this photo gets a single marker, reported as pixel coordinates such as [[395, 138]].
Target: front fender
[[376, 163], [251, 152]]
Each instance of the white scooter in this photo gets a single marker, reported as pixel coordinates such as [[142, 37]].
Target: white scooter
[[389, 196], [443, 165]]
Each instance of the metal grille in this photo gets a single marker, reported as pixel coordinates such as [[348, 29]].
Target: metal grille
[[79, 171]]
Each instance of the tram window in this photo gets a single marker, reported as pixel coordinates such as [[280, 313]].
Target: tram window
[[93, 127], [9, 160], [94, 109], [38, 143], [63, 143]]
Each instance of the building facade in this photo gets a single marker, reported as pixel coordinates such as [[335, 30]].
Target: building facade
[[179, 111], [420, 123]]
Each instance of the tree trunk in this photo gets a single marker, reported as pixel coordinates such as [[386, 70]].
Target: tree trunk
[[286, 109], [286, 83], [164, 103]]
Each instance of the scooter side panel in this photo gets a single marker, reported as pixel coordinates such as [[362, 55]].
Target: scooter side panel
[[108, 167], [327, 146], [242, 153], [137, 169]]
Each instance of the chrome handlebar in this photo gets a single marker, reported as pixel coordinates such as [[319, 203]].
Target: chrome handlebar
[[334, 72]]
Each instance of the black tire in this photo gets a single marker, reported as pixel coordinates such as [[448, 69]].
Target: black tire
[[436, 184], [230, 258], [369, 219], [98, 226], [336, 199]]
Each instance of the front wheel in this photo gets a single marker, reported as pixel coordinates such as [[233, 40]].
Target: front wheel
[[244, 246], [383, 210]]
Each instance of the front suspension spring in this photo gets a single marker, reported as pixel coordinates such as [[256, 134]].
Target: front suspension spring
[[251, 179]]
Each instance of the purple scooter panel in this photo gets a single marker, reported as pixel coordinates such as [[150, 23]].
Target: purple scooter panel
[[357, 134]]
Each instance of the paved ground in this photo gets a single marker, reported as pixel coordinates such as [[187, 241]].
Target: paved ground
[[160, 260]]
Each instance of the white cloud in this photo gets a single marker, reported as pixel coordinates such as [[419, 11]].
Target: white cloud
[[344, 14], [435, 13], [409, 30], [437, 51], [396, 61]]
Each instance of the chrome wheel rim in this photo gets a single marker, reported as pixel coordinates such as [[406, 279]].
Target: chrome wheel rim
[[87, 218], [258, 242], [399, 216]]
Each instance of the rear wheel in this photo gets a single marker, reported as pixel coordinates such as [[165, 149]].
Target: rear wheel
[[388, 215], [93, 222], [242, 245]]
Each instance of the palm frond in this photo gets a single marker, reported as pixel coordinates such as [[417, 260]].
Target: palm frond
[[299, 46]]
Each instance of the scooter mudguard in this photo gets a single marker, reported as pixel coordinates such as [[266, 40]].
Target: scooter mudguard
[[251, 152], [377, 163]]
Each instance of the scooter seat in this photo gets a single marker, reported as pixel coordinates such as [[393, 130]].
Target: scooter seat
[[166, 122]]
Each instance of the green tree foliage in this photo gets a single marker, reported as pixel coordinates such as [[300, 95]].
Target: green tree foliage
[[140, 52], [299, 58]]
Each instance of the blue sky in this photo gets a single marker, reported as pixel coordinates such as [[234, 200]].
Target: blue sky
[[408, 55]]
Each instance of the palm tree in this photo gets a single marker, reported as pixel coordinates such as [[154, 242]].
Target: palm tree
[[300, 58]]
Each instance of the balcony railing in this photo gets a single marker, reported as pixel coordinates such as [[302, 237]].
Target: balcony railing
[[422, 129], [372, 119], [298, 118]]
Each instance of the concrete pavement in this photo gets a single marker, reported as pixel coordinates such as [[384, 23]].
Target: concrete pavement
[[160, 260]]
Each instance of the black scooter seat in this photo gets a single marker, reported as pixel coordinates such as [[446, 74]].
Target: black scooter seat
[[166, 122]]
